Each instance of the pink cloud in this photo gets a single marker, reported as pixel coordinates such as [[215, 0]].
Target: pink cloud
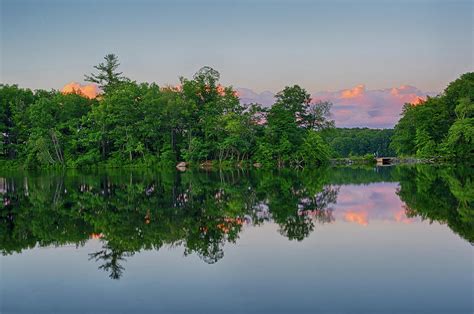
[[379, 108], [89, 90], [357, 91], [357, 106]]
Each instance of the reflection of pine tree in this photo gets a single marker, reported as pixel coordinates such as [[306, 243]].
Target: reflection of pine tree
[[112, 259]]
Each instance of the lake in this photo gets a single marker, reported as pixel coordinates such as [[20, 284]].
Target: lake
[[395, 239]]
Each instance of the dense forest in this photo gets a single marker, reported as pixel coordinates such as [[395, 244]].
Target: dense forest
[[440, 126], [349, 142], [201, 121], [200, 212]]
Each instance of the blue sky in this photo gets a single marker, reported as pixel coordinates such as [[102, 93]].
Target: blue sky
[[262, 45], [379, 53]]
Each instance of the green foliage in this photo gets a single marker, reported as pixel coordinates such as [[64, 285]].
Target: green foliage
[[196, 151], [14, 103], [465, 108], [139, 124], [167, 157], [440, 194], [314, 150], [459, 143], [359, 142], [440, 124], [291, 136], [264, 155], [425, 146], [403, 139]]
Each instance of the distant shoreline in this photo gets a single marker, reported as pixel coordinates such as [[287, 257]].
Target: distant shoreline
[[232, 165]]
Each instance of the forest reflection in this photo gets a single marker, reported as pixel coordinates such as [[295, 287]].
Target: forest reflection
[[131, 211]]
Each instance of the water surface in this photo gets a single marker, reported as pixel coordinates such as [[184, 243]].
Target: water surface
[[390, 239]]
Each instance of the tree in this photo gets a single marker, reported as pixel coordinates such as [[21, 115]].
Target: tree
[[459, 143], [282, 133], [403, 140], [295, 100], [211, 107], [465, 108], [107, 77], [14, 121], [425, 146], [440, 124], [317, 116], [290, 132], [54, 126], [314, 150], [119, 122]]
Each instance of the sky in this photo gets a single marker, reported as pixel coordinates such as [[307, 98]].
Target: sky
[[324, 46]]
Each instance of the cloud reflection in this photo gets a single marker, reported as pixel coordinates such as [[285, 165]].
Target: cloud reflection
[[362, 204]]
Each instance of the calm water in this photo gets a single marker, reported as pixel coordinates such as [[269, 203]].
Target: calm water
[[382, 240]]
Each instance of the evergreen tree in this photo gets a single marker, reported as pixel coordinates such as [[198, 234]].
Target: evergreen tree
[[107, 77]]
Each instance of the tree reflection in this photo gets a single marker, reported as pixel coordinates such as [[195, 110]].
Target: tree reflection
[[133, 211], [202, 211], [110, 259], [438, 194]]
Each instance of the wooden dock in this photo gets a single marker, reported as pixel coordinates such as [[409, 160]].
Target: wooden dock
[[383, 161]]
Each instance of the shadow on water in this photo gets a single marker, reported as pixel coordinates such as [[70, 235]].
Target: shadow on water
[[131, 211]]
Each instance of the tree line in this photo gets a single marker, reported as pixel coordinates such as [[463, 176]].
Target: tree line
[[441, 126], [132, 123], [200, 120], [348, 142]]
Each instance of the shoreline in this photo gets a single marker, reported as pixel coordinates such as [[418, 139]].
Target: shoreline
[[228, 165]]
